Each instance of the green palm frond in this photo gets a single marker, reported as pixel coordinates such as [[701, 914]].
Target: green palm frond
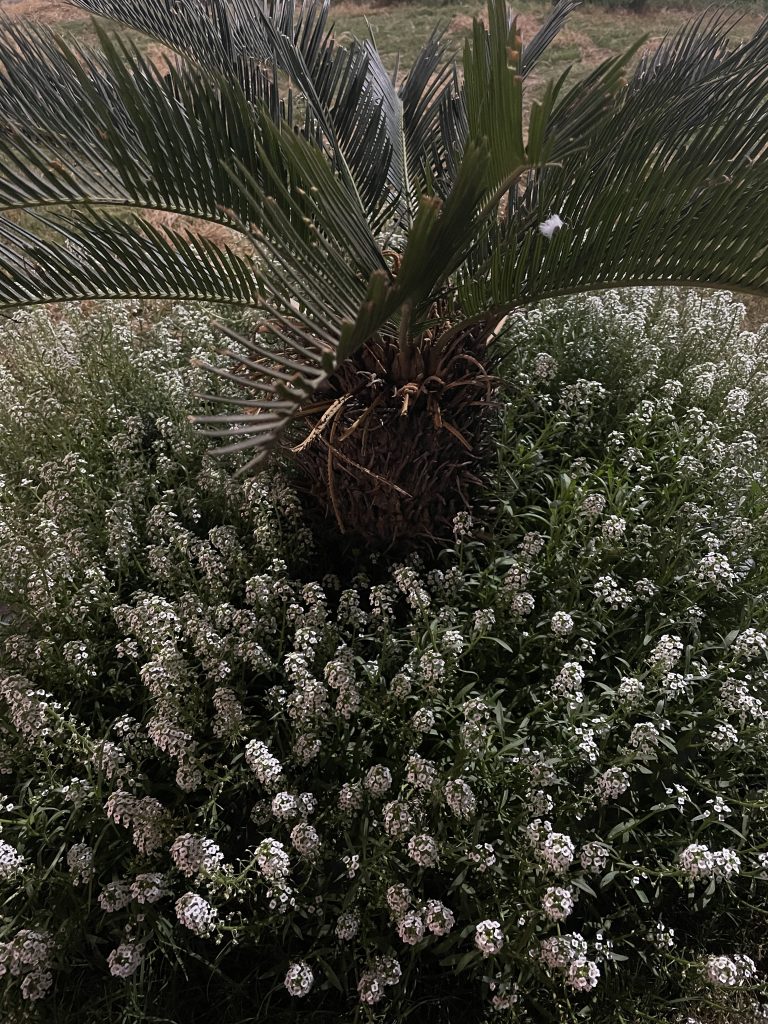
[[346, 95], [669, 185]]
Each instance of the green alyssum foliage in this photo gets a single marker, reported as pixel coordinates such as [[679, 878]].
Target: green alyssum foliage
[[243, 783]]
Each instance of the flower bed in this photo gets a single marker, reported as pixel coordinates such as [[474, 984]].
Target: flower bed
[[249, 776]]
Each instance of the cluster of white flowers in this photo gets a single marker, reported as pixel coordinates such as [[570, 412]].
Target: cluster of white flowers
[[666, 654], [698, 861], [263, 764], [562, 624], [194, 855], [378, 780], [612, 783], [556, 852], [614, 529], [613, 596], [714, 570], [125, 960], [299, 979], [196, 913], [11, 861], [557, 903], [460, 798], [274, 863], [423, 850], [385, 971], [728, 972], [567, 955], [489, 937], [28, 956]]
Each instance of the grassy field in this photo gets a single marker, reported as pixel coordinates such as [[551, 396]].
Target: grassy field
[[594, 33]]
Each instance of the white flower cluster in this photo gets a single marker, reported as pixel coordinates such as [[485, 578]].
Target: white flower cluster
[[557, 903], [728, 972], [714, 570], [384, 972], [11, 861], [195, 855], [666, 654], [125, 960], [489, 937], [460, 798], [567, 955], [555, 850], [196, 913], [562, 624], [28, 956], [263, 764], [299, 979], [697, 861]]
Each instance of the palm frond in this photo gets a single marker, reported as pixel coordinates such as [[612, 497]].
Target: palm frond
[[434, 119], [549, 31], [347, 96], [97, 255], [668, 190]]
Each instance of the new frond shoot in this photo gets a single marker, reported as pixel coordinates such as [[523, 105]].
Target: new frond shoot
[[383, 227]]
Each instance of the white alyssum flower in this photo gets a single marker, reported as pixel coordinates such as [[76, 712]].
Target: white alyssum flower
[[750, 645], [667, 652], [557, 903], [149, 887], [614, 529], [378, 780], [196, 913], [423, 720], [423, 850], [438, 918], [557, 852], [489, 937], [347, 926], [420, 773], [124, 960], [11, 861], [194, 855], [460, 799], [305, 840], [583, 975], [80, 863], [398, 819], [299, 979], [399, 899], [558, 952], [273, 861], [594, 857], [714, 570], [729, 972], [410, 927], [263, 764], [611, 784], [562, 624]]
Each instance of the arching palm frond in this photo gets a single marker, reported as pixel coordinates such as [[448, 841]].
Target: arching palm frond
[[669, 186]]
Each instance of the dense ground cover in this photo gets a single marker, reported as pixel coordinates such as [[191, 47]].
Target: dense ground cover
[[247, 778]]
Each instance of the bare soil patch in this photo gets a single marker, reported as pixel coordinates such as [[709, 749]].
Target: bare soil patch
[[49, 11]]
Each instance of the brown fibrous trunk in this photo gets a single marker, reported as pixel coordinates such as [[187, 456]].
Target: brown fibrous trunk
[[392, 446]]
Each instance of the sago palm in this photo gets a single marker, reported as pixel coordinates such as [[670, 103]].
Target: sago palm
[[386, 227]]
